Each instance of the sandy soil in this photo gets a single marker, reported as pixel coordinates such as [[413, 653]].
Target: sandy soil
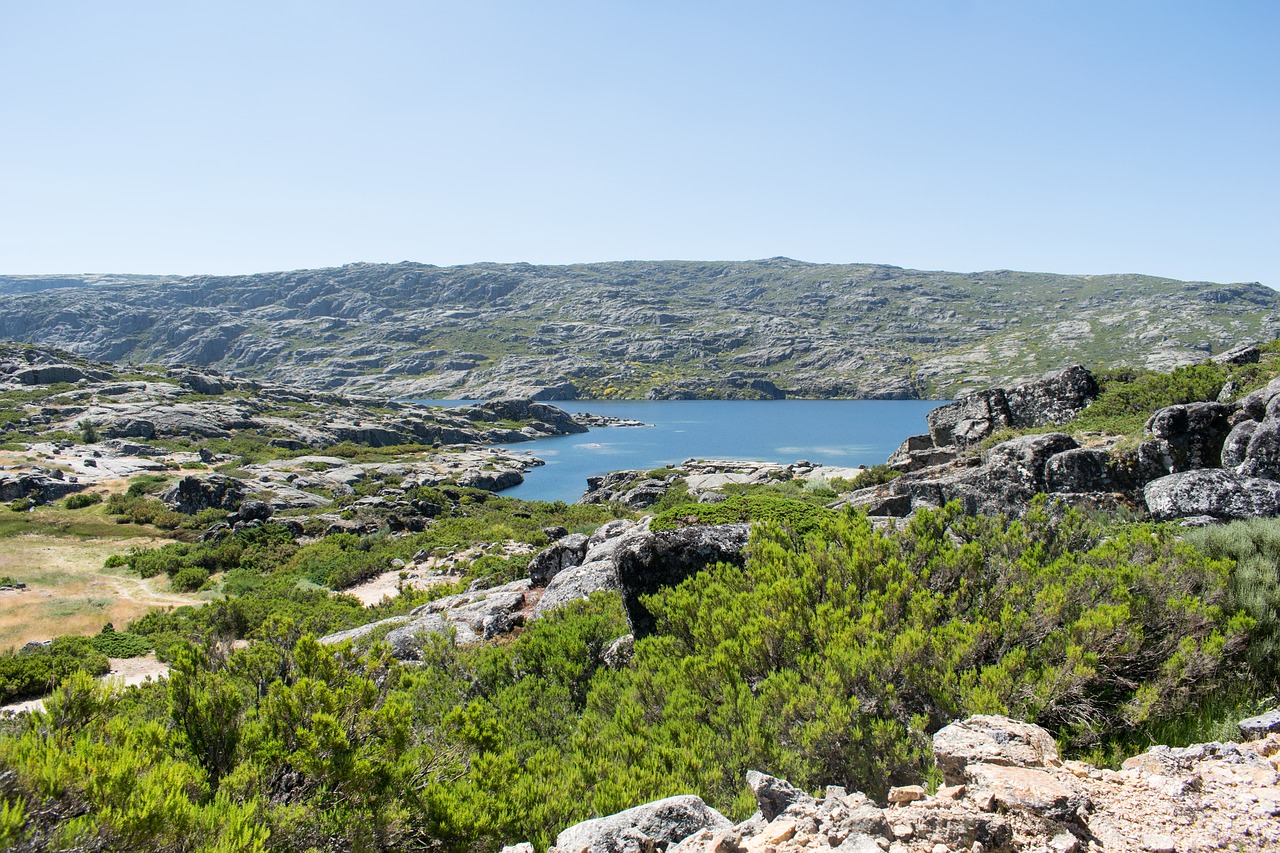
[[428, 573]]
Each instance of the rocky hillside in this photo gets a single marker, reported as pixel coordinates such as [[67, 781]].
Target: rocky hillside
[[663, 329], [1005, 789]]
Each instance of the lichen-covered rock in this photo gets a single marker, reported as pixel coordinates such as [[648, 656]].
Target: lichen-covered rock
[[1054, 399], [192, 494], [1236, 443], [1224, 495], [1081, 470], [575, 584], [991, 739], [1261, 456], [564, 553], [773, 795], [662, 822], [1194, 433], [652, 561]]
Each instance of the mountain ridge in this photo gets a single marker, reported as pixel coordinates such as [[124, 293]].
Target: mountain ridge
[[766, 328]]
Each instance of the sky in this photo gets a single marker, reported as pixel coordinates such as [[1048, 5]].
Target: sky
[[236, 137]]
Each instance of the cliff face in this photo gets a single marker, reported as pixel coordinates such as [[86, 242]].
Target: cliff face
[[665, 329]]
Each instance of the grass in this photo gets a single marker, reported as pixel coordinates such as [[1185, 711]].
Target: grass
[[59, 554]]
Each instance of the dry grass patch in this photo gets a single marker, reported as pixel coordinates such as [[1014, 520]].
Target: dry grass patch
[[68, 589]]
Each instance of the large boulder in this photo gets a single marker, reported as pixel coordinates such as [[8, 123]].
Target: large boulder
[[565, 553], [577, 583], [1221, 494], [1261, 455], [192, 494], [1055, 399], [1080, 471], [1194, 432], [469, 616], [651, 826], [991, 739], [1236, 444], [653, 561], [773, 795]]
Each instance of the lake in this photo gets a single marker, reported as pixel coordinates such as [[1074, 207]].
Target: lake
[[831, 432]]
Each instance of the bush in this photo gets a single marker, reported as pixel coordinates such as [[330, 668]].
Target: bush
[[1129, 397], [35, 670], [796, 515], [82, 500], [120, 644], [189, 579], [21, 504]]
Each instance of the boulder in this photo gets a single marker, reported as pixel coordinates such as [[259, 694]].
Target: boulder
[[773, 795], [471, 616], [1261, 456], [1236, 444], [664, 822], [575, 584], [1224, 495], [491, 481], [653, 561], [1081, 470], [1055, 399], [1194, 432], [565, 553], [1023, 789], [1261, 725], [192, 494], [991, 739], [1242, 354], [49, 374]]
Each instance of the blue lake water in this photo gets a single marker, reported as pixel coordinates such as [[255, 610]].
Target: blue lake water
[[830, 432]]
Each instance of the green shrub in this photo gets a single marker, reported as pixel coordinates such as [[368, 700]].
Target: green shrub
[[21, 504], [35, 670], [799, 516], [82, 500], [189, 579], [1129, 397], [120, 644]]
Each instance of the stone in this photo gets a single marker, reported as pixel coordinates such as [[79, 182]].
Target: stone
[[619, 652], [565, 553], [1261, 725], [773, 795], [1224, 495], [1195, 433], [1080, 470], [906, 794], [1261, 456], [991, 739], [1241, 354], [656, 560], [522, 847], [667, 821], [1023, 789], [192, 494], [1236, 443], [575, 584]]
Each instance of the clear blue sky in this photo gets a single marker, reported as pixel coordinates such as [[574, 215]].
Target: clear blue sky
[[1051, 135]]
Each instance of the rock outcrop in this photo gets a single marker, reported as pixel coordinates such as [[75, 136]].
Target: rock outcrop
[[1005, 789]]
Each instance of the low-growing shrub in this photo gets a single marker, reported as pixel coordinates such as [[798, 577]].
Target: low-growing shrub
[[189, 579], [796, 515], [82, 500], [120, 644]]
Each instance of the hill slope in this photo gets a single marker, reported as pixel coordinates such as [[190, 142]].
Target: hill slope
[[669, 328]]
